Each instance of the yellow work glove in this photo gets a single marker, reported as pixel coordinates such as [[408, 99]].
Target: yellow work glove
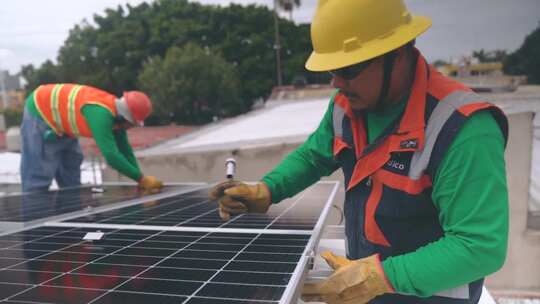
[[237, 197], [353, 281], [150, 183]]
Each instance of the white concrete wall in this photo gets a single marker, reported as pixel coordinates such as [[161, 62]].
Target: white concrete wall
[[521, 270]]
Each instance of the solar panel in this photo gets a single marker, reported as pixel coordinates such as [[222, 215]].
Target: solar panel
[[32, 206], [171, 248], [195, 210], [52, 264]]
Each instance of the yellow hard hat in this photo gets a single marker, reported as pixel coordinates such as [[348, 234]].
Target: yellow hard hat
[[346, 32]]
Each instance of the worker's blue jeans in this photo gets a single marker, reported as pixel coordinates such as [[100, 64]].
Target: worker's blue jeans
[[42, 160]]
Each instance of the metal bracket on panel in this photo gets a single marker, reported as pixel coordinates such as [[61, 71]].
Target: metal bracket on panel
[[311, 259]]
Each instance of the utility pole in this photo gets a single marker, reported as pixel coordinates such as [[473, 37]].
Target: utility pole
[[277, 45], [3, 88]]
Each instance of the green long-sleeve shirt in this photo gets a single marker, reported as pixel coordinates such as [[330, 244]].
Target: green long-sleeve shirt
[[113, 144], [469, 190]]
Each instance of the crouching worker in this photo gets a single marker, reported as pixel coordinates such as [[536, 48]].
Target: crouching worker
[[55, 116]]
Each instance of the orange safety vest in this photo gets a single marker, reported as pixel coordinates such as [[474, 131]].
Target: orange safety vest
[[60, 106]]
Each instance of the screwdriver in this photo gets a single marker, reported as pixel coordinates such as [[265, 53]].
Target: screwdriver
[[230, 165]]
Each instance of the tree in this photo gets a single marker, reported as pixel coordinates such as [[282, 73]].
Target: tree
[[525, 60], [193, 84], [439, 63], [288, 6], [109, 52], [490, 56], [47, 73]]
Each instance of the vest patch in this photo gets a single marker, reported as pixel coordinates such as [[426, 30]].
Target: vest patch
[[409, 143], [396, 165]]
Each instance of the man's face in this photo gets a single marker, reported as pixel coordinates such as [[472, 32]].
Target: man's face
[[362, 90]]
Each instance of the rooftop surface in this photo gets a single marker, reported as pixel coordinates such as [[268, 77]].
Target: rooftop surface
[[288, 121], [141, 137]]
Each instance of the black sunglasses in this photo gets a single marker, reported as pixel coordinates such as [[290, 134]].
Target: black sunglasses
[[352, 71]]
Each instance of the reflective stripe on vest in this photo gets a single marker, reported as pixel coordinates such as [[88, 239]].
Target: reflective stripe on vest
[[338, 115], [461, 292], [54, 108], [444, 109], [72, 111]]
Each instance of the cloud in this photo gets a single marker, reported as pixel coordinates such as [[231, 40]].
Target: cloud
[[5, 53], [29, 35]]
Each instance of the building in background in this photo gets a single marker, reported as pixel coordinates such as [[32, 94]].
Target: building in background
[[11, 92], [482, 76]]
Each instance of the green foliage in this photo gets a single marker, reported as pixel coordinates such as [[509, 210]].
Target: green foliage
[[439, 63], [490, 56], [526, 60], [110, 52], [288, 5], [13, 117], [47, 73], [192, 83]]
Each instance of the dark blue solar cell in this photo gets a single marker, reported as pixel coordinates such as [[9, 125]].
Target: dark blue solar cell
[[242, 292], [193, 209], [136, 298], [39, 205], [54, 294]]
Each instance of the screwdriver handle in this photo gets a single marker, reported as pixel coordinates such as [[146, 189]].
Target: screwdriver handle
[[230, 164]]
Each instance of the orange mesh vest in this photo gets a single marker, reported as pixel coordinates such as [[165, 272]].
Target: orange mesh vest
[[60, 106]]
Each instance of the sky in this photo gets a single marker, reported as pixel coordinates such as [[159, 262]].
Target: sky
[[33, 31]]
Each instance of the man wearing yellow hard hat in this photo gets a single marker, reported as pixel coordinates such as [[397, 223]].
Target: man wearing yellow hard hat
[[426, 203]]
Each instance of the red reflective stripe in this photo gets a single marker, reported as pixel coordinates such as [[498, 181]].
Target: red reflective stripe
[[403, 183], [342, 101], [359, 135], [413, 118], [339, 145], [373, 161], [470, 108], [441, 86], [370, 163], [357, 124], [372, 230]]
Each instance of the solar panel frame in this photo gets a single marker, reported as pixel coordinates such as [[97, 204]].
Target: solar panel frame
[[292, 292]]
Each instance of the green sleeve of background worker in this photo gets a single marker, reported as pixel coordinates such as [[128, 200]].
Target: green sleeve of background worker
[[124, 146], [470, 192], [307, 164], [113, 144]]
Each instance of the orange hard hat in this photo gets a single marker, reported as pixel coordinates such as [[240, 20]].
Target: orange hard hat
[[139, 106]]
